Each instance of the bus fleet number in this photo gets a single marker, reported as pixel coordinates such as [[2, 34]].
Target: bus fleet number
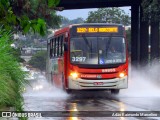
[[78, 59]]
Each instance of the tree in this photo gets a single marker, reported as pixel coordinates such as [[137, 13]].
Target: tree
[[151, 10], [109, 15], [16, 52], [21, 15], [39, 60], [15, 15], [77, 21], [151, 15], [66, 21]]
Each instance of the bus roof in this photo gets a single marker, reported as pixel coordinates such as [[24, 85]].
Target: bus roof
[[50, 35], [89, 24]]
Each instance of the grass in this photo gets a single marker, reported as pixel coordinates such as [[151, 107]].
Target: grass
[[11, 76]]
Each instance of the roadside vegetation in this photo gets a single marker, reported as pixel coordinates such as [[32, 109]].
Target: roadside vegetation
[[109, 15], [39, 60], [11, 75], [19, 16]]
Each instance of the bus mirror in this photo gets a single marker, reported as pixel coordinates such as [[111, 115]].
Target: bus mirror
[[65, 46]]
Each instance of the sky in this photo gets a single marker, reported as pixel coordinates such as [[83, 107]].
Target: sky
[[83, 13]]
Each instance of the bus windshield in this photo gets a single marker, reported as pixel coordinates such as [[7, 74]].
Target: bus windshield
[[97, 50]]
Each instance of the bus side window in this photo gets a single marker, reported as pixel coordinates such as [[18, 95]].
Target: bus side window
[[51, 47], [53, 44], [59, 48], [58, 39], [61, 44], [55, 47]]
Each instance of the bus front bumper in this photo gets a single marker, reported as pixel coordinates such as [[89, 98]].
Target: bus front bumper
[[82, 84]]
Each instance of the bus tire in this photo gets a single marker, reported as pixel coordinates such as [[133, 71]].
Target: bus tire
[[63, 86], [115, 91], [68, 91]]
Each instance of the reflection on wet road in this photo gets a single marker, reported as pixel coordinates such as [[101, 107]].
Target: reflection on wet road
[[53, 99], [143, 94]]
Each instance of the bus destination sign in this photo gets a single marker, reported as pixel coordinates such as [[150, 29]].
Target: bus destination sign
[[97, 29]]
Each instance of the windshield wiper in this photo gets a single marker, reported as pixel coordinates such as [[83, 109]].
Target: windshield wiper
[[108, 44], [86, 41]]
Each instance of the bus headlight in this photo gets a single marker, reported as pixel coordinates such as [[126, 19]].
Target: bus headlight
[[121, 75], [74, 74]]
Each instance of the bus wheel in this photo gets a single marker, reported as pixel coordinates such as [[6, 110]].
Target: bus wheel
[[63, 86], [68, 91], [115, 91], [63, 83]]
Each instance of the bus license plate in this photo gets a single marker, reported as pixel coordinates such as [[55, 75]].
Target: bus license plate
[[98, 83]]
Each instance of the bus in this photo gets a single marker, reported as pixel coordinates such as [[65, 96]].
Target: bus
[[90, 56]]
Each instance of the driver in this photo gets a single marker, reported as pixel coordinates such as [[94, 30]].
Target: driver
[[112, 49]]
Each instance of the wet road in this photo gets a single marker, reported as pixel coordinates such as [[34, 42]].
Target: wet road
[[137, 97], [143, 94]]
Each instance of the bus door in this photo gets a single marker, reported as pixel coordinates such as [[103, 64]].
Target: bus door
[[58, 66], [57, 72], [60, 71]]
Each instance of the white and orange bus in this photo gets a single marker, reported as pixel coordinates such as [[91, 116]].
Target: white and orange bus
[[88, 57]]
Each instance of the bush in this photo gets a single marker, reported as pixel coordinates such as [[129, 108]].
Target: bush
[[11, 76], [17, 53], [39, 60]]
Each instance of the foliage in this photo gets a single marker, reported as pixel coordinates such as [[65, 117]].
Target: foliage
[[109, 15], [11, 76], [35, 40], [19, 15], [39, 60], [151, 10], [66, 21], [25, 14], [16, 52], [32, 40]]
